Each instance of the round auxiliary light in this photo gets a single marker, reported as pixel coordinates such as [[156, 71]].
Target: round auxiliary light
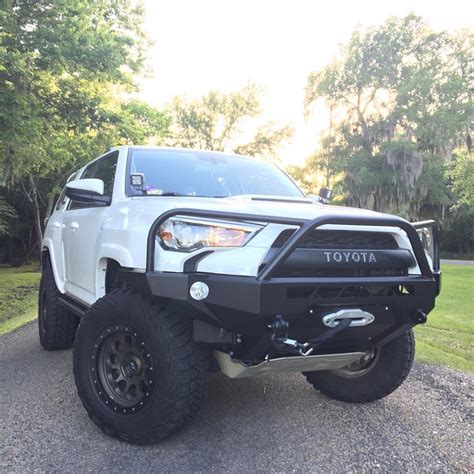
[[199, 291]]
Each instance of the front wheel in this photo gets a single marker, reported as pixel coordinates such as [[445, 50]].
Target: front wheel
[[373, 377], [138, 373]]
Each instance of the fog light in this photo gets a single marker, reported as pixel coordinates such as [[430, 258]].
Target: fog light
[[199, 291]]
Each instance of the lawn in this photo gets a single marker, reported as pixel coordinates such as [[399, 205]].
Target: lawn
[[18, 296], [447, 338]]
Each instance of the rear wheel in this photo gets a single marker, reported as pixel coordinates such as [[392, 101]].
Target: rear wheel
[[373, 377], [138, 373], [57, 326]]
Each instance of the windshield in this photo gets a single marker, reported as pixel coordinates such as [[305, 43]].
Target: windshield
[[204, 174]]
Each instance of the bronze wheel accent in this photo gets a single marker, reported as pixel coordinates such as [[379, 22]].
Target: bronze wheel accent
[[122, 369]]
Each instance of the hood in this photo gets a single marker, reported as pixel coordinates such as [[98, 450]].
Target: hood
[[276, 206]]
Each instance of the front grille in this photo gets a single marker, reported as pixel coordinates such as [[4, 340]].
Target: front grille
[[340, 239], [341, 272]]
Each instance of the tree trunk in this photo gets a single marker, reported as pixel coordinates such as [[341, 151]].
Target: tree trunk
[[49, 208], [329, 150], [36, 212]]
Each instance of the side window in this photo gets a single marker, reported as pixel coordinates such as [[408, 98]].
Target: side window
[[61, 200], [106, 172], [103, 169]]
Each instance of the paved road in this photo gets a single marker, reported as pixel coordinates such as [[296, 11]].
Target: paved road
[[465, 263], [264, 424]]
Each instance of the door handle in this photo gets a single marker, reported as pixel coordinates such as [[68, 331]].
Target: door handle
[[74, 225], [56, 225]]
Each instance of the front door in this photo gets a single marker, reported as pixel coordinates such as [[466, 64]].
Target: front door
[[81, 234]]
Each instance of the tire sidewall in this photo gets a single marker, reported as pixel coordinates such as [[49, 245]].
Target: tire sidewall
[[391, 369]]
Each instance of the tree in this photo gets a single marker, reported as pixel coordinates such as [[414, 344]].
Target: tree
[[459, 224], [64, 67], [402, 97], [215, 122], [267, 140], [6, 212]]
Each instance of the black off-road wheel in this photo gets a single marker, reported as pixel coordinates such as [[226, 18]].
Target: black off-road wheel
[[57, 326], [138, 372], [373, 377]]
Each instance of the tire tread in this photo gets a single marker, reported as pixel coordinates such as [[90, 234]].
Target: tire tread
[[375, 387]]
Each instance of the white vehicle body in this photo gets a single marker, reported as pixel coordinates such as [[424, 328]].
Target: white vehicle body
[[81, 241]]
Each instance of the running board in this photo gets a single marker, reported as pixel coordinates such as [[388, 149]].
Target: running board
[[77, 308], [286, 364]]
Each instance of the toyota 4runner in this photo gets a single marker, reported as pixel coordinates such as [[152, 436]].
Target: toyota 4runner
[[161, 265]]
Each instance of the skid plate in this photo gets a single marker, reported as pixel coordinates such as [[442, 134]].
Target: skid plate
[[286, 364]]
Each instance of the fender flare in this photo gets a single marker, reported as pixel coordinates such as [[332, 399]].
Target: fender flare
[[47, 247]]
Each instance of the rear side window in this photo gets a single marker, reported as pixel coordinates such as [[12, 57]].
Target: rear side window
[[103, 169]]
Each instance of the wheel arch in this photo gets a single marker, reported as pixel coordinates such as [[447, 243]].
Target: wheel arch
[[111, 258]]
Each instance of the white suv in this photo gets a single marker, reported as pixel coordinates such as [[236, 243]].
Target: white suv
[[171, 263]]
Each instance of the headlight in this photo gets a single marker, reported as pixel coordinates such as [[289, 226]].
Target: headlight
[[185, 234], [428, 241]]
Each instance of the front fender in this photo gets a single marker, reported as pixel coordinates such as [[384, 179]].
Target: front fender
[[47, 246]]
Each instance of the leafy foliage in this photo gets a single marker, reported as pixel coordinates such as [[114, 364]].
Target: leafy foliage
[[65, 70], [403, 97], [214, 122], [7, 212]]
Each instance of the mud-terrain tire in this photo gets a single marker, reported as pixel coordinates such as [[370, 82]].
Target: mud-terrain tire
[[383, 374], [56, 325], [138, 372]]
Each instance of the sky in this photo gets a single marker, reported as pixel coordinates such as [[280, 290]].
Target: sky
[[210, 44]]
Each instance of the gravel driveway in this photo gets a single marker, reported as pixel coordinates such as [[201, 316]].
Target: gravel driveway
[[263, 424]]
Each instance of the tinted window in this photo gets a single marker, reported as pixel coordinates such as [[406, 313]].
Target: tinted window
[[103, 169], [62, 197], [106, 172], [207, 174]]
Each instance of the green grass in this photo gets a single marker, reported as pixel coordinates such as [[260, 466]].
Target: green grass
[[448, 336], [18, 296]]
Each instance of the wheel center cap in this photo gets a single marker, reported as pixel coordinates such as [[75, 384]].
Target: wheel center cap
[[132, 365]]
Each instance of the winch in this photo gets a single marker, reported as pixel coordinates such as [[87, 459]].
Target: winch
[[283, 343]]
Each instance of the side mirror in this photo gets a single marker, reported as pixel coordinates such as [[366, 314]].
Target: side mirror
[[88, 191]]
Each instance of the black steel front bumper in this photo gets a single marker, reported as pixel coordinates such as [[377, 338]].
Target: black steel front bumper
[[246, 305]]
